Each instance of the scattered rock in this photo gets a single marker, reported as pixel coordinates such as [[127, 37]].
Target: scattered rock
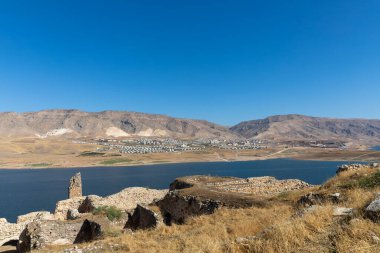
[[355, 167], [373, 210], [127, 199], [89, 231], [30, 217], [73, 214], [306, 210], [75, 187], [311, 199], [177, 208], [343, 211], [335, 197], [11, 231], [259, 186], [143, 218], [62, 207], [375, 238], [245, 240], [39, 234]]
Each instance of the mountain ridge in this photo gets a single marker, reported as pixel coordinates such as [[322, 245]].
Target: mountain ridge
[[296, 127], [107, 123], [111, 123]]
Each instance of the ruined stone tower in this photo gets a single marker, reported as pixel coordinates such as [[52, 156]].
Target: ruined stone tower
[[75, 188]]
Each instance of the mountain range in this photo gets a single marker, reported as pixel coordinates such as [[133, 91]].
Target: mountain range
[[280, 128]]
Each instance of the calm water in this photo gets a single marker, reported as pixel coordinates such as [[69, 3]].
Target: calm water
[[376, 148], [23, 191]]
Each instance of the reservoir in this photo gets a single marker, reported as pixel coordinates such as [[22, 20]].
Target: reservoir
[[27, 190]]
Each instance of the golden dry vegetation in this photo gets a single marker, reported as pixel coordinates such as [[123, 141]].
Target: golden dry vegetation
[[280, 226]]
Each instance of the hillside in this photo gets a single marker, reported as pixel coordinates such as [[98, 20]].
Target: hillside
[[280, 128], [211, 214], [75, 123], [305, 128]]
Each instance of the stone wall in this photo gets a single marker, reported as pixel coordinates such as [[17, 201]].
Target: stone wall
[[75, 188]]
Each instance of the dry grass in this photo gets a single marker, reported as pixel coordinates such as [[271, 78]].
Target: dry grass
[[278, 227], [210, 233], [302, 234]]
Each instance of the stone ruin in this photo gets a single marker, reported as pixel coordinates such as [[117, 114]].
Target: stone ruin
[[75, 188]]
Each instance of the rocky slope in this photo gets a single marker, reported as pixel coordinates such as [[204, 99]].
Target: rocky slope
[[281, 128], [209, 214], [305, 128], [76, 123]]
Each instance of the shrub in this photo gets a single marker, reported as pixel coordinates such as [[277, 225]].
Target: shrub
[[370, 181], [112, 212], [115, 161], [90, 153]]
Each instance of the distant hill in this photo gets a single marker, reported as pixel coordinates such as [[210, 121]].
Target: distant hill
[[280, 128], [299, 127], [75, 123]]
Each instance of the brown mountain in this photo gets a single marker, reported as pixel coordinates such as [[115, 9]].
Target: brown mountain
[[74, 123], [300, 128]]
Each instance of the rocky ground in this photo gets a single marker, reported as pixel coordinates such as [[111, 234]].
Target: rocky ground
[[212, 214]]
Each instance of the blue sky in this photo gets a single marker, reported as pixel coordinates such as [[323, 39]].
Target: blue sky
[[224, 61]]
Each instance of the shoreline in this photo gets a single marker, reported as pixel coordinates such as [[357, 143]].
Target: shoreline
[[71, 158], [90, 166]]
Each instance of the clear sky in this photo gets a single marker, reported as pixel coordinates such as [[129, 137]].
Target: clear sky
[[224, 61]]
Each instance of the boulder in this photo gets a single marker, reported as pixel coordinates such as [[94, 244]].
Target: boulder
[[10, 232], [62, 207], [176, 207], [143, 218], [90, 203], [335, 197], [372, 211], [311, 199], [30, 217], [40, 234], [342, 168], [127, 199], [354, 167], [73, 214], [343, 211], [75, 187], [89, 231]]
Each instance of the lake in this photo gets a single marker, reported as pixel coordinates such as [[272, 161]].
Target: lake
[[27, 190], [377, 148]]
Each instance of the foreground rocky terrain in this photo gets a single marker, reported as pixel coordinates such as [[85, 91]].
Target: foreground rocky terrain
[[213, 214], [80, 219]]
